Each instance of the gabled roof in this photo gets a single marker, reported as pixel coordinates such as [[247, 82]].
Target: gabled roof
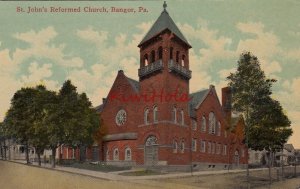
[[99, 108], [164, 22], [196, 99], [289, 147], [135, 84]]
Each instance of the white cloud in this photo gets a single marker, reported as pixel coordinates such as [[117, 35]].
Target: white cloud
[[130, 66], [7, 81], [264, 45], [294, 33], [40, 47], [295, 119], [122, 54], [289, 97], [293, 54], [217, 47], [11, 73], [38, 75], [93, 36]]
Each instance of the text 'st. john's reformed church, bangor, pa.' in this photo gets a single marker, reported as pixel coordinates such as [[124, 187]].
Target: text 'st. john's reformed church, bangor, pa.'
[[156, 121]]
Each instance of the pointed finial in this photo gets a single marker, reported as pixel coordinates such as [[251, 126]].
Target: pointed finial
[[165, 5]]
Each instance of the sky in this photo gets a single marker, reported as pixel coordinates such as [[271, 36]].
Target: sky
[[89, 47]]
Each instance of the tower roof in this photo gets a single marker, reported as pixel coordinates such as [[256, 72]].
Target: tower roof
[[164, 22]]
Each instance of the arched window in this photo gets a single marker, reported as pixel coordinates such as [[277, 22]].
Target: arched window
[[203, 124], [155, 114], [116, 154], [182, 117], [218, 149], [194, 124], [212, 123], [177, 56], [160, 53], [146, 62], [225, 149], [213, 147], [203, 148], [174, 114], [219, 128], [175, 146], [107, 155], [182, 60], [127, 154], [209, 147], [171, 53], [152, 56], [182, 146], [194, 145], [151, 140], [242, 152], [146, 116]]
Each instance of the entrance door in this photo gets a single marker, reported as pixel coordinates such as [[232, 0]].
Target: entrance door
[[95, 153], [151, 151], [236, 158]]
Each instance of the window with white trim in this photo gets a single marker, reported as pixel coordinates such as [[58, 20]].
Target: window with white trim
[[182, 117], [146, 62], [203, 124], [203, 149], [116, 154], [146, 116], [212, 123], [219, 128], [213, 147], [194, 145], [175, 146], [225, 150], [182, 146], [107, 155], [127, 154], [174, 114], [155, 114], [218, 149], [194, 124], [209, 147]]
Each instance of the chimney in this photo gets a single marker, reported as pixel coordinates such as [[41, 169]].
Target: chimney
[[226, 102], [103, 100]]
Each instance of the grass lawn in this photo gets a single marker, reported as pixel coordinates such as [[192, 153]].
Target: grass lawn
[[97, 167], [142, 173]]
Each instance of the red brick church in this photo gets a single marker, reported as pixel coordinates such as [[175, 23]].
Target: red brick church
[[157, 121]]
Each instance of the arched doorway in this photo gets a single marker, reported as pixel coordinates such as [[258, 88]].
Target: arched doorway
[[151, 151], [236, 158]]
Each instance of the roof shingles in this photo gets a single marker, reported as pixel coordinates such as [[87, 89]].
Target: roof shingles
[[164, 22]]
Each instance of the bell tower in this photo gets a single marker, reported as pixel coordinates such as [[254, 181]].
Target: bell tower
[[164, 60]]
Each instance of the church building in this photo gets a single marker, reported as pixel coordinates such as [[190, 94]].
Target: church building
[[157, 121]]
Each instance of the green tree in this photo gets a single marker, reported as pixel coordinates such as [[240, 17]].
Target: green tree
[[249, 85], [18, 120], [42, 102], [251, 92], [270, 127], [73, 120], [44, 119], [2, 141], [87, 125]]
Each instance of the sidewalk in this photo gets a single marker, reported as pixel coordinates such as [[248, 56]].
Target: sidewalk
[[114, 176]]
